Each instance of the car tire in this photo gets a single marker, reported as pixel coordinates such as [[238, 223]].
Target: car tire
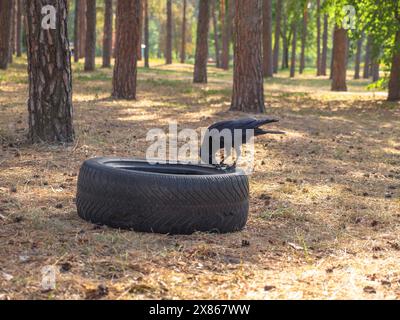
[[162, 198]]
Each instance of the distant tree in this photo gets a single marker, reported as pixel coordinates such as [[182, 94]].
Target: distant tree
[[127, 38], [357, 61], [268, 68], [394, 82], [146, 34], [227, 33], [293, 54], [375, 70], [367, 58], [183, 38], [278, 16], [339, 59], [82, 28], [324, 53], [77, 31], [19, 28], [285, 35], [381, 21], [12, 36], [201, 57], [5, 32], [108, 33], [303, 38], [90, 54], [318, 37], [168, 46], [49, 69], [248, 87], [215, 29], [141, 23]]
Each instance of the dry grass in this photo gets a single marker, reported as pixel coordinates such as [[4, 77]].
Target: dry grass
[[322, 224]]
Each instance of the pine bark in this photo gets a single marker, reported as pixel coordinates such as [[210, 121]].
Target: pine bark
[[248, 87], [183, 38], [12, 36], [303, 40], [125, 68], [318, 37], [285, 43], [19, 29], [201, 56], [339, 60], [394, 82], [277, 34], [49, 69], [268, 59], [168, 45], [141, 23], [324, 54], [216, 33], [5, 32], [146, 35], [82, 28], [108, 32], [293, 55], [357, 61], [90, 50], [76, 31], [227, 34]]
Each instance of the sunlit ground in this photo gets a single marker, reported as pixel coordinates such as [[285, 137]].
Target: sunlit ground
[[324, 208]]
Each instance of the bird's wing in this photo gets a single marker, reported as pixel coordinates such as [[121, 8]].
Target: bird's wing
[[241, 124]]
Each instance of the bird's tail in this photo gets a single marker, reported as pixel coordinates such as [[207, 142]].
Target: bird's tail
[[259, 131]]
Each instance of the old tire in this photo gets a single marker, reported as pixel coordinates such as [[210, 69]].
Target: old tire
[[162, 198]]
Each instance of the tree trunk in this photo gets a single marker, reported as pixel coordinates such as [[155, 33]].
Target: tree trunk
[[318, 37], [293, 56], [375, 70], [216, 37], [227, 33], [49, 68], [139, 48], [183, 39], [394, 82], [146, 35], [248, 86], [324, 54], [19, 28], [333, 49], [12, 36], [5, 32], [339, 60], [108, 32], [303, 39], [277, 34], [285, 45], [90, 55], [125, 68], [82, 28], [358, 58], [201, 57], [168, 45], [268, 60], [367, 58], [76, 31]]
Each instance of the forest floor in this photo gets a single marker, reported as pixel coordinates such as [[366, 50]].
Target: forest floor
[[324, 210]]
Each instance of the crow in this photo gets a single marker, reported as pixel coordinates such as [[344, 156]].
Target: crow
[[232, 126]]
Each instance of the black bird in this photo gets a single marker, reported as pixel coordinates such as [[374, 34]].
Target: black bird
[[232, 126]]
